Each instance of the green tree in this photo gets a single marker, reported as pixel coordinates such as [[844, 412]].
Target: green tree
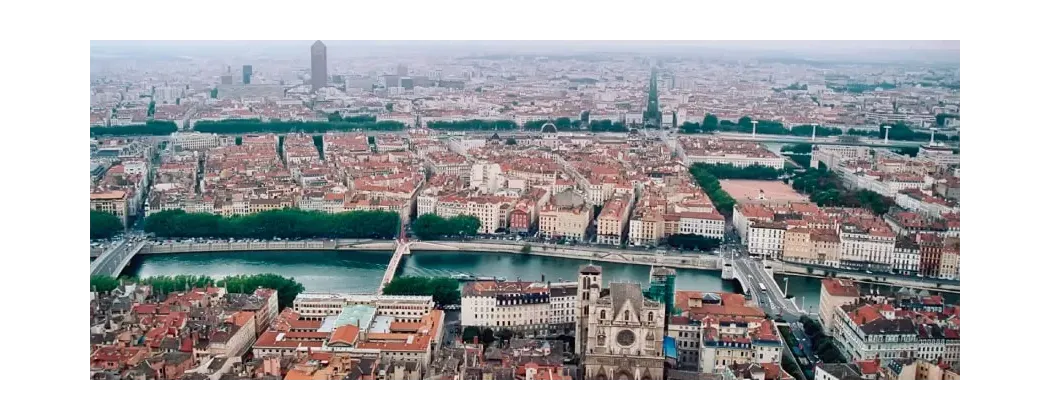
[[150, 128], [235, 126], [103, 284], [473, 125], [152, 108], [104, 225], [504, 335], [431, 226], [283, 223], [727, 171], [525, 249], [709, 124], [694, 242], [390, 107], [214, 93], [444, 290], [287, 288], [512, 142], [487, 336], [470, 332]]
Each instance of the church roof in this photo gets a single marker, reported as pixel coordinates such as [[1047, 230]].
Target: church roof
[[626, 292], [591, 269]]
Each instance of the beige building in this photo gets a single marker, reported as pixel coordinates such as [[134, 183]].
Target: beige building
[[835, 293], [919, 370], [567, 216], [613, 220], [113, 202], [797, 246]]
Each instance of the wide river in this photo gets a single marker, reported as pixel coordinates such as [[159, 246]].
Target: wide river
[[361, 271]]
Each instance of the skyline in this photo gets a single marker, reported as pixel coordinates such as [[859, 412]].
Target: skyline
[[941, 52]]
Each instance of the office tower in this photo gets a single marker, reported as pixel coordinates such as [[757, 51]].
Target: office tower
[[318, 65], [402, 70], [247, 74]]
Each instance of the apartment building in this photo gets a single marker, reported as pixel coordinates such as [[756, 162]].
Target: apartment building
[[568, 215], [519, 306], [718, 330], [737, 153], [766, 239], [113, 202], [707, 224], [612, 222], [833, 294]]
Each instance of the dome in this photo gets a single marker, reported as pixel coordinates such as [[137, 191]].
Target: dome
[[548, 128]]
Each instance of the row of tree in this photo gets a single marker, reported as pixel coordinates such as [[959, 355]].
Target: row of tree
[[861, 87], [287, 288], [254, 125], [797, 148], [432, 226], [151, 128], [900, 131], [721, 199], [283, 223], [356, 119], [693, 242], [445, 290], [727, 171], [825, 189], [562, 124], [473, 125], [104, 225], [823, 345]]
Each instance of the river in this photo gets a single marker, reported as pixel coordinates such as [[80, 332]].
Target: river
[[361, 271]]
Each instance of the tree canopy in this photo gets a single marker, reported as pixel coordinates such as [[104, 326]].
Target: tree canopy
[[445, 290], [727, 171], [607, 126], [709, 183], [283, 223], [151, 128], [431, 226], [826, 189], [104, 225], [694, 242], [287, 288], [253, 125], [473, 125], [900, 131]]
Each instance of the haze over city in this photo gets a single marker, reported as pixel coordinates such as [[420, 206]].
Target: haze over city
[[526, 210]]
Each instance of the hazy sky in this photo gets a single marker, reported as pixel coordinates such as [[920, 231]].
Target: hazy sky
[[940, 51]]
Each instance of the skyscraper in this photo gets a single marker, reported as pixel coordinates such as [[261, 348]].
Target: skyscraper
[[247, 74], [318, 65]]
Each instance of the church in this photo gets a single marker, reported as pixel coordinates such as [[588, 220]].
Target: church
[[619, 333]]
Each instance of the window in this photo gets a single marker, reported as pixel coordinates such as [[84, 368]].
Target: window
[[650, 317], [626, 315], [602, 316]]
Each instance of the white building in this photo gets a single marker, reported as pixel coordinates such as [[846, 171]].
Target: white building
[[520, 306], [711, 225], [766, 238]]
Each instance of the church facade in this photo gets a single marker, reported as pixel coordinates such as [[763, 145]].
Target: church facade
[[619, 333]]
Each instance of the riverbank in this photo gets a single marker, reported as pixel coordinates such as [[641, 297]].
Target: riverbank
[[361, 271], [674, 260]]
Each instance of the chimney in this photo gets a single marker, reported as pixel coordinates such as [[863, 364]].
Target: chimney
[[475, 340]]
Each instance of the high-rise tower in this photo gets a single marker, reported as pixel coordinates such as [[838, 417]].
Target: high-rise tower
[[652, 110], [318, 65]]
